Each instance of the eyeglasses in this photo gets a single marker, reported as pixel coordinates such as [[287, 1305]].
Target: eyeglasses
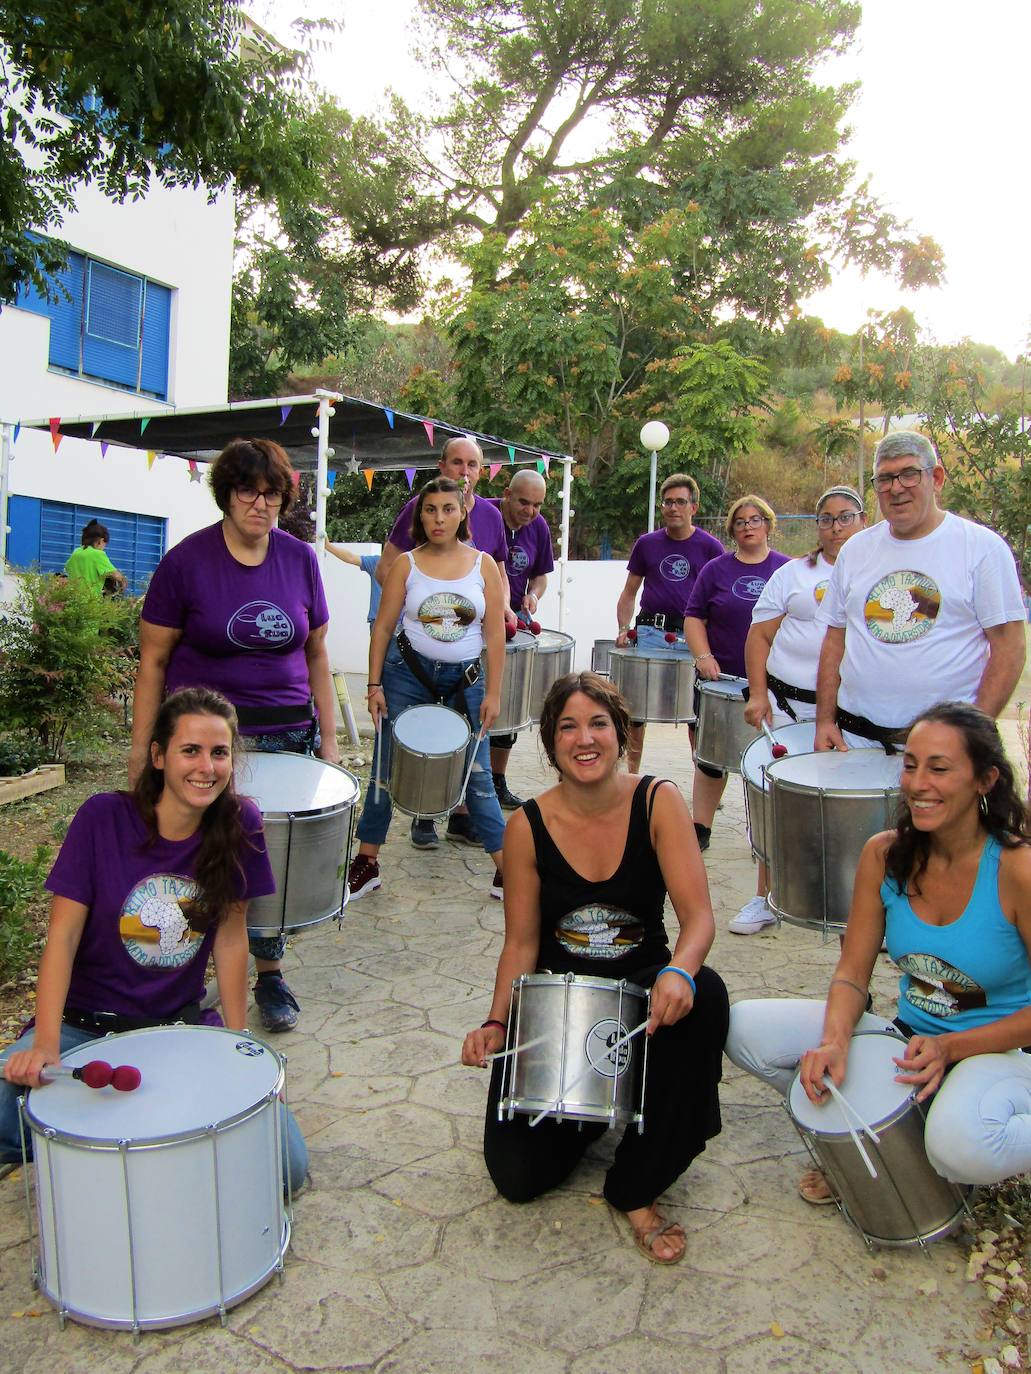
[[846, 518], [908, 477], [749, 522], [248, 495], [672, 502]]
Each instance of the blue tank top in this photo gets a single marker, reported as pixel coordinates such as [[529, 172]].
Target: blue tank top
[[969, 973]]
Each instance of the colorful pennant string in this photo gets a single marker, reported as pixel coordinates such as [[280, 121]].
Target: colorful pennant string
[[428, 427], [410, 472], [367, 474], [55, 431], [284, 414], [390, 416]]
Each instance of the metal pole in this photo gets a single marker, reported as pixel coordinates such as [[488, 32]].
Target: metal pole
[[651, 491], [6, 445], [322, 457], [563, 552]]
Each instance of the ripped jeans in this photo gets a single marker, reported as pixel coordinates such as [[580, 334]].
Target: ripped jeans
[[401, 690]]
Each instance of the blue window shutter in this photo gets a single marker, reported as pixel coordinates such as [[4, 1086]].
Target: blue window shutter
[[23, 516], [137, 541], [157, 319], [111, 345], [65, 312]]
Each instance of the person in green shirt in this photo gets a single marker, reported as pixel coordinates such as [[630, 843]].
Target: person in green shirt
[[90, 563]]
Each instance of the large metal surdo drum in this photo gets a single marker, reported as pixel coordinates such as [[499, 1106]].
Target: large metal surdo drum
[[565, 1056], [520, 652], [308, 809], [822, 810], [796, 739], [553, 659], [657, 684], [600, 656], [723, 733], [428, 756], [163, 1205], [907, 1203]]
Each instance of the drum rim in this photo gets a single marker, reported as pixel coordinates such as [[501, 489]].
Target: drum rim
[[805, 790], [717, 687], [422, 753], [882, 1122], [566, 641], [345, 804], [655, 654], [594, 980], [761, 739]]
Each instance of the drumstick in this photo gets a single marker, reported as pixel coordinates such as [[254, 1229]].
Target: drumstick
[[846, 1107], [591, 1068], [472, 760], [377, 749], [777, 749], [96, 1074], [517, 1049]]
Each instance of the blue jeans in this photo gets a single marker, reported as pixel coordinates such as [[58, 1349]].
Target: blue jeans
[[295, 1151], [401, 690], [648, 637]]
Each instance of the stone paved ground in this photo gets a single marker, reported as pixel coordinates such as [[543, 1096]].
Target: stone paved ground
[[404, 1259]]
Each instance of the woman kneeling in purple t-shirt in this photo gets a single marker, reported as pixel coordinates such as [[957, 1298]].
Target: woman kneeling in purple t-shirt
[[147, 885]]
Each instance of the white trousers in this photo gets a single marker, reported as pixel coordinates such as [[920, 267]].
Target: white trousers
[[979, 1124]]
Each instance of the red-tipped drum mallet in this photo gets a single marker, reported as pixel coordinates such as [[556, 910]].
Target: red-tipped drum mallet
[[509, 631], [96, 1074], [534, 627], [632, 636], [126, 1078], [670, 637], [776, 749]]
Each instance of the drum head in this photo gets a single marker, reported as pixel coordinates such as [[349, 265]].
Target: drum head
[[294, 783], [432, 730], [724, 687], [520, 642], [193, 1076], [661, 655], [870, 1086], [579, 980], [551, 641], [797, 739], [860, 770]]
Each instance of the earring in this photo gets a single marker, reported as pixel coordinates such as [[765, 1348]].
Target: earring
[[983, 805]]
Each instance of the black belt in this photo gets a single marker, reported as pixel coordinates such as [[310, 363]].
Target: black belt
[[661, 621], [250, 716], [106, 1022], [470, 676], [889, 737], [785, 692]]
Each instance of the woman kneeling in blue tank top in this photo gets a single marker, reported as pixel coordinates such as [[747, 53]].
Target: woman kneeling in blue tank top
[[950, 891], [587, 868]]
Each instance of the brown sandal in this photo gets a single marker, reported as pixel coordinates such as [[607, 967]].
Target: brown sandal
[[645, 1240], [814, 1188]]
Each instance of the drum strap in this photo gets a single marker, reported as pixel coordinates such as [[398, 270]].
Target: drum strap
[[471, 675], [249, 716], [662, 621], [106, 1022], [786, 692], [887, 736]]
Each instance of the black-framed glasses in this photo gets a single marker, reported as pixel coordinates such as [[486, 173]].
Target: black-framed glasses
[[846, 518], [248, 495], [908, 477], [675, 502], [749, 522]]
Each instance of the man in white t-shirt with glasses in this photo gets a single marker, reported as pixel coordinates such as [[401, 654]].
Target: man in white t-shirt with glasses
[[923, 607]]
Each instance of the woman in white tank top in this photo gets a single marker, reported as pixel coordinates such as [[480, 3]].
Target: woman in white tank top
[[452, 604]]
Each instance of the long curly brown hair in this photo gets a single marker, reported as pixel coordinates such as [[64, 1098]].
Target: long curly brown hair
[[1002, 812], [218, 870]]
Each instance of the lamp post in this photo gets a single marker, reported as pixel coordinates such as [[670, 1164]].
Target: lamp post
[[654, 438]]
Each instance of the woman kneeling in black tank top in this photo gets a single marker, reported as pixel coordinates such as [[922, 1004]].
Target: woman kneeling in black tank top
[[572, 907]]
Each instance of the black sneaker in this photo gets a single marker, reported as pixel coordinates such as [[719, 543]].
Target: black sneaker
[[363, 876], [497, 887], [704, 833], [460, 828], [424, 835], [276, 1003], [508, 801]]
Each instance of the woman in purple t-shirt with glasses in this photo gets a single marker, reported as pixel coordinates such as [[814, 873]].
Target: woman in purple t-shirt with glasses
[[717, 620], [239, 607]]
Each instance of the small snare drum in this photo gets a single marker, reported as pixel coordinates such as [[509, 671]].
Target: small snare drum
[[796, 739], [564, 1056], [553, 659], [657, 684], [723, 733], [164, 1205], [516, 682], [907, 1203], [428, 755]]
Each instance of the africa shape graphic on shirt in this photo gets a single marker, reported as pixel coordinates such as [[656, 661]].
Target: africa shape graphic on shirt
[[902, 606], [939, 988], [820, 590], [155, 922], [446, 616]]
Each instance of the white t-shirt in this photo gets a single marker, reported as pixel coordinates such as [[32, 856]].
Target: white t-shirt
[[443, 619], [914, 613], [795, 592]]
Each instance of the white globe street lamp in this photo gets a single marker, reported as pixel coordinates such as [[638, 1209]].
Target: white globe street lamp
[[654, 438]]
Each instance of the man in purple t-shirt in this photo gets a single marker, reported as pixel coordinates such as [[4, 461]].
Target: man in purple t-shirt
[[668, 562], [528, 563]]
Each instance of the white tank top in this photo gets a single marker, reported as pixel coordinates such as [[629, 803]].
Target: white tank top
[[443, 618]]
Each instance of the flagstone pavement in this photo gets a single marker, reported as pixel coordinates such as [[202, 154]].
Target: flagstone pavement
[[405, 1261]]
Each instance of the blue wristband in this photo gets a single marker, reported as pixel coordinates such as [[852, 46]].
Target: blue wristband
[[672, 968]]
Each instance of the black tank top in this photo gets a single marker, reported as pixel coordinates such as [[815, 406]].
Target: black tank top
[[609, 929]]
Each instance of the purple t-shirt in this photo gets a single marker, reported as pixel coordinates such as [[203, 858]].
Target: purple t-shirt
[[138, 955], [244, 629], [670, 568], [528, 553], [486, 529], [724, 594]]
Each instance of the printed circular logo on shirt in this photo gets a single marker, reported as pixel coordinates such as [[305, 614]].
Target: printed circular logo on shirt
[[598, 1048], [749, 588], [518, 559], [260, 625], [939, 988], [599, 932], [446, 616], [902, 607], [675, 568], [820, 590], [155, 922]]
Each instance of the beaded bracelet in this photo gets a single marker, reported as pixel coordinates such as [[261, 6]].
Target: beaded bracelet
[[672, 968], [500, 1025]]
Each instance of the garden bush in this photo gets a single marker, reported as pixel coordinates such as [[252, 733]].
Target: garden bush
[[21, 882]]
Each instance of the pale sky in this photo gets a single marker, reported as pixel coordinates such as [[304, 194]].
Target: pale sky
[[940, 125]]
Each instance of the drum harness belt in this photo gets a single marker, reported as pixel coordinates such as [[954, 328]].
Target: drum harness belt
[[301, 714], [107, 1022], [887, 736], [782, 691], [471, 675], [662, 621]]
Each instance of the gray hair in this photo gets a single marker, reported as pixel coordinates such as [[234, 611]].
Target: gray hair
[[906, 443]]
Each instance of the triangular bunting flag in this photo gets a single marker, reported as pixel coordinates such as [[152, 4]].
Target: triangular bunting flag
[[547, 463], [104, 448], [295, 479], [410, 473], [17, 431], [284, 414], [331, 480], [367, 474], [144, 423], [511, 453], [94, 427], [55, 431], [539, 465], [428, 427], [495, 468], [151, 455], [390, 416], [194, 470]]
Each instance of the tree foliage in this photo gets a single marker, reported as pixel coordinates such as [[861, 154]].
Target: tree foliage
[[120, 95]]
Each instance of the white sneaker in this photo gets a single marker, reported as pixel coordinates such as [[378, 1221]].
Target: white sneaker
[[752, 917]]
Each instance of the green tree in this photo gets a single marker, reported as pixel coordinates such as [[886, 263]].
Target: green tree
[[115, 95]]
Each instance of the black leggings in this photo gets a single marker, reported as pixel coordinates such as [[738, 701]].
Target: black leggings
[[681, 1112]]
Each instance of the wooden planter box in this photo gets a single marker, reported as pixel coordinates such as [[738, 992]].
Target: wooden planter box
[[40, 779]]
